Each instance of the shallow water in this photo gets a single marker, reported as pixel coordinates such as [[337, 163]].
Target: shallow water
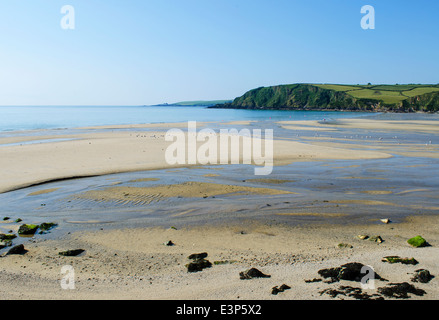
[[55, 117], [32, 142], [338, 191], [324, 192]]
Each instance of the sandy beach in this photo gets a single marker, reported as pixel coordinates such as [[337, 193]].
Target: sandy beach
[[297, 232], [219, 158], [136, 263]]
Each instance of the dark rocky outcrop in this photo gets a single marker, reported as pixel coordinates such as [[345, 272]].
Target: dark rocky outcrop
[[198, 256], [350, 271], [348, 291], [199, 262], [27, 229], [282, 288], [313, 280], [46, 226], [252, 273], [18, 249], [422, 276], [400, 290]]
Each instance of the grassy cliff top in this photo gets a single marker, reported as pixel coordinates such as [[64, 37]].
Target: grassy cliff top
[[389, 94]]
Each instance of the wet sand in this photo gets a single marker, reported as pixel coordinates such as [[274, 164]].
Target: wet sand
[[368, 124], [289, 224]]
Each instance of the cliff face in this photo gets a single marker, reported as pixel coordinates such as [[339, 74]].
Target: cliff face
[[317, 97]]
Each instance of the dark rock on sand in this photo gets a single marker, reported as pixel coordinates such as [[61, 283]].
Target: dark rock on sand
[[18, 249], [7, 237], [199, 262], [350, 271], [313, 280], [46, 226], [282, 288], [422, 276], [198, 256], [170, 243], [356, 293], [27, 229], [252, 273], [376, 239], [332, 273], [198, 265], [71, 253], [400, 290], [345, 246]]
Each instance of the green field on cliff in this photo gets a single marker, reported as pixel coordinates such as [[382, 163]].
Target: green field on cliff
[[387, 93]]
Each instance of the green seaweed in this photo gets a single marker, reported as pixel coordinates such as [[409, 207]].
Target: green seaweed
[[47, 226], [417, 242], [222, 262]]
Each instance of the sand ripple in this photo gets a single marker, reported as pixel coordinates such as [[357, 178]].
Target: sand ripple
[[146, 195]]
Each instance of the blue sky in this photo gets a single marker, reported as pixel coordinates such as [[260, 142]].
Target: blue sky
[[136, 52]]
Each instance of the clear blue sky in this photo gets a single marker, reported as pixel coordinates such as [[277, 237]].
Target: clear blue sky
[[135, 52]]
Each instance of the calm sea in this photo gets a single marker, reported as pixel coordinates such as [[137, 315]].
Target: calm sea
[[54, 117]]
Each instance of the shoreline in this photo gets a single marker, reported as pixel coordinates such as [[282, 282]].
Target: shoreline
[[326, 110]]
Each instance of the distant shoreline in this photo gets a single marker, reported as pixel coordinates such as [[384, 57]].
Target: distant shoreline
[[319, 110]]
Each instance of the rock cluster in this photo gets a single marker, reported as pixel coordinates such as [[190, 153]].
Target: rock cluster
[[353, 271], [199, 262]]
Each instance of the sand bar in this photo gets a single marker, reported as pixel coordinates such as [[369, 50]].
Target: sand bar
[[394, 125], [107, 152]]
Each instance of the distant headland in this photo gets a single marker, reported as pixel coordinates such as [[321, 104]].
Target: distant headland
[[200, 103]]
